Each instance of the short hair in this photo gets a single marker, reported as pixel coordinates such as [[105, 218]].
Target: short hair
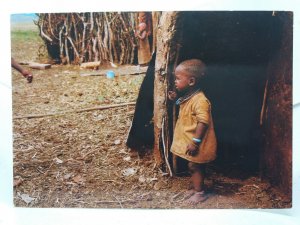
[[195, 67]]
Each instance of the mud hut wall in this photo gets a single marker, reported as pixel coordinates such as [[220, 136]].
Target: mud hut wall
[[277, 156]]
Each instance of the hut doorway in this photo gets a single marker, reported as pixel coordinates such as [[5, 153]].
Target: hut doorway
[[237, 48], [244, 52]]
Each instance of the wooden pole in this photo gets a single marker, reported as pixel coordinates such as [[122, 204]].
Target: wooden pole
[[262, 112], [167, 42]]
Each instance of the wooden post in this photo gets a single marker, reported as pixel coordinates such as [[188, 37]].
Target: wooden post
[[167, 41], [155, 23]]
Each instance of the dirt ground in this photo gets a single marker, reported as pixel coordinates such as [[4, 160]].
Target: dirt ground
[[79, 159]]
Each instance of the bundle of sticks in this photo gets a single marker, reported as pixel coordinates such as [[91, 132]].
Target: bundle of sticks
[[75, 38]]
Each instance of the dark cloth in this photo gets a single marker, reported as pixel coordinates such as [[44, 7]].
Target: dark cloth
[[142, 132]]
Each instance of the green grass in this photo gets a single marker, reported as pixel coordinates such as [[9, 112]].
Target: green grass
[[25, 42], [25, 35]]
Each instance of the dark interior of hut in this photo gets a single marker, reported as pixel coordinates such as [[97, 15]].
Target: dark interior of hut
[[236, 47]]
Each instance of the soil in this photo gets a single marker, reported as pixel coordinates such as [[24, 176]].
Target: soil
[[79, 159]]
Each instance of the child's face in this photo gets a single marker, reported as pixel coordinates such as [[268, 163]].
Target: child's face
[[142, 27], [183, 80]]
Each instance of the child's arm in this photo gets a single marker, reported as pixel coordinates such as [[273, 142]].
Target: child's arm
[[24, 72], [193, 147], [142, 36]]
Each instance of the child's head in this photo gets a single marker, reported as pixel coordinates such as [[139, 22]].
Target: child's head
[[188, 74], [142, 27]]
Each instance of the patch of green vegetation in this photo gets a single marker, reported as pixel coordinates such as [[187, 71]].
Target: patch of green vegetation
[[25, 43], [25, 35]]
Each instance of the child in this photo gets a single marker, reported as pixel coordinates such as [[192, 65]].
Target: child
[[194, 137], [144, 54], [24, 72]]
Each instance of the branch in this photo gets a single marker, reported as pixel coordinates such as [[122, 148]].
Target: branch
[[75, 111], [43, 34], [74, 47], [104, 74]]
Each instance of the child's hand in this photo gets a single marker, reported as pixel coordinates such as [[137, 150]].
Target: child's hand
[[192, 150], [172, 95]]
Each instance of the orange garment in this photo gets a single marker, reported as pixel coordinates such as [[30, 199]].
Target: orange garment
[[192, 111], [144, 54]]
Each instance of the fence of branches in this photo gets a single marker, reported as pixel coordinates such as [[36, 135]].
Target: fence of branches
[[74, 38]]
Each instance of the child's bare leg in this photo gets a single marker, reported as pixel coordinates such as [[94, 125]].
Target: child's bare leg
[[198, 175]]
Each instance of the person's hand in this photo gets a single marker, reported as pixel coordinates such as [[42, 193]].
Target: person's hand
[[172, 95], [192, 149], [27, 75]]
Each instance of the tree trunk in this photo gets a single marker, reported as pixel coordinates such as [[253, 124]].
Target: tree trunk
[[167, 41]]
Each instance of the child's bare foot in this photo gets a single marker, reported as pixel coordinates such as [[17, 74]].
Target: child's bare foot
[[197, 197]]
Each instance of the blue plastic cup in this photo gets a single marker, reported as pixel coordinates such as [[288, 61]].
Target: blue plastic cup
[[110, 74]]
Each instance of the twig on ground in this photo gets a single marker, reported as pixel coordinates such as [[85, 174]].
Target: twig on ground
[[176, 195], [104, 74], [120, 203], [75, 111], [113, 181], [252, 185], [86, 154]]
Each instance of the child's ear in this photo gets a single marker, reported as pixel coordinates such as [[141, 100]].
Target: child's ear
[[192, 81]]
